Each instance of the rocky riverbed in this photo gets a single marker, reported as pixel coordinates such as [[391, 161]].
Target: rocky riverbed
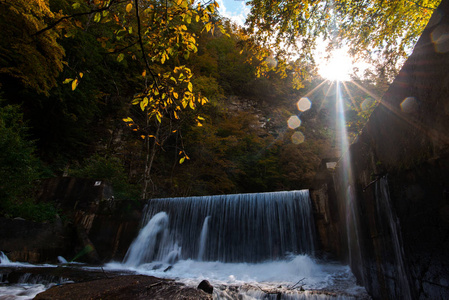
[[65, 282]]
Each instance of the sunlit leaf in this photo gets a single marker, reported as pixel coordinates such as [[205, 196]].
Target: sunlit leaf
[[97, 17], [129, 7], [67, 80], [190, 86], [182, 160], [120, 57], [74, 84]]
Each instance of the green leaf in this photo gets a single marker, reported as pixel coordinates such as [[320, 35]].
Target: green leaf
[[76, 5], [97, 17], [120, 57], [182, 160]]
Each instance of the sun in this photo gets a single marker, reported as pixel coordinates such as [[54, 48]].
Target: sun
[[337, 67]]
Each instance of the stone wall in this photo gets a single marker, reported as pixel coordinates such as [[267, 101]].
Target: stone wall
[[90, 220], [392, 187]]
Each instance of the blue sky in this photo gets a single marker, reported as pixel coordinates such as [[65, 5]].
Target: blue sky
[[235, 10]]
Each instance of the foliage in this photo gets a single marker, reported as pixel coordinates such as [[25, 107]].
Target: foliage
[[367, 27], [19, 169], [18, 166], [170, 97], [29, 210], [35, 60], [110, 169]]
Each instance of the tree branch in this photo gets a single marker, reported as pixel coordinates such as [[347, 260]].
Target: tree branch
[[52, 25], [142, 49]]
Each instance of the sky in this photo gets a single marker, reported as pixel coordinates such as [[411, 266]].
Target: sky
[[236, 10]]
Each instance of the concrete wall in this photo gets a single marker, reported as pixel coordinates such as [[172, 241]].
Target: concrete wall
[[393, 200]]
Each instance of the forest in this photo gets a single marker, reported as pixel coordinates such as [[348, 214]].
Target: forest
[[169, 98]]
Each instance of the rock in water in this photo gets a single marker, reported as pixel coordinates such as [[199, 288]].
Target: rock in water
[[206, 286]]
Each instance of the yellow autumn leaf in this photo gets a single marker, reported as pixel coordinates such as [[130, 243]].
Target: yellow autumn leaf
[[129, 7], [175, 95], [81, 74], [182, 160], [74, 84], [144, 73], [144, 103], [190, 86]]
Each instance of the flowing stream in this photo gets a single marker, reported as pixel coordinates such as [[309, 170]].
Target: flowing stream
[[248, 246]]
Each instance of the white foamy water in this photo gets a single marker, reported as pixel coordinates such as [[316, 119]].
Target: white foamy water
[[281, 275], [20, 291]]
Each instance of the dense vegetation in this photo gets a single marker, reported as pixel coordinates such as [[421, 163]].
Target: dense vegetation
[[161, 98]]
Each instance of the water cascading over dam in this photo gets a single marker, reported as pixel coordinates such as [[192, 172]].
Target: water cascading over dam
[[227, 228]]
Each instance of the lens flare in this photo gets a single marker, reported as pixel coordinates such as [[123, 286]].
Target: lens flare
[[304, 104], [409, 105], [293, 122], [298, 138]]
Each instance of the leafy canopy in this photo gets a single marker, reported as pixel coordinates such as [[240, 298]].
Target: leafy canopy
[[364, 25]]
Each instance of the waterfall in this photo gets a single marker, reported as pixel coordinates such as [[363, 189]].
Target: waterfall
[[384, 208], [352, 234], [4, 259], [227, 228], [203, 238]]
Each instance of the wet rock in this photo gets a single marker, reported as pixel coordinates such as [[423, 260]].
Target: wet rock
[[206, 286], [124, 287]]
